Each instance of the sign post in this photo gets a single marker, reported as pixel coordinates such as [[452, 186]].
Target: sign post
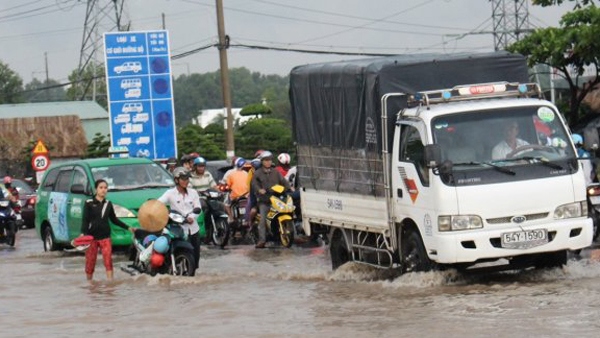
[[40, 161], [140, 95]]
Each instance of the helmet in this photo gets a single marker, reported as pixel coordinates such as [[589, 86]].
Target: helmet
[[149, 239], [258, 152], [266, 155], [284, 158], [157, 260], [7, 180], [199, 161], [180, 172], [577, 139], [161, 244], [172, 161], [255, 163], [194, 155], [240, 162], [185, 158]]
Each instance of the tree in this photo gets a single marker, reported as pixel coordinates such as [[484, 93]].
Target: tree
[[99, 146], [11, 85], [570, 49], [47, 91], [256, 109], [92, 75], [264, 133]]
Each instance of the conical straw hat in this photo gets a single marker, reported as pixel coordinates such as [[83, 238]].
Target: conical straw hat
[[153, 216]]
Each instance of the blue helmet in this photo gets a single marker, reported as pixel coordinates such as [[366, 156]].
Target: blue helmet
[[199, 161], [577, 139], [255, 163], [240, 162]]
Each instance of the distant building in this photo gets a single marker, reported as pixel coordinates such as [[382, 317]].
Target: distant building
[[208, 116], [65, 127]]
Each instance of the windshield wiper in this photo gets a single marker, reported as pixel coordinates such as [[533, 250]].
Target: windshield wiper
[[496, 167], [543, 161]]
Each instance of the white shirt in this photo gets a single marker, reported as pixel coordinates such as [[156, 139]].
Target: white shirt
[[184, 204], [502, 149]]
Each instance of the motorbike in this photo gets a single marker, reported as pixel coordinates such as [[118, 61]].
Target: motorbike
[[241, 232], [280, 218], [10, 221], [593, 199], [166, 252], [215, 216]]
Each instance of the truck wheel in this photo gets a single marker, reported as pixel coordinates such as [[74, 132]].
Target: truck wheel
[[338, 250], [49, 244], [551, 260], [414, 257]]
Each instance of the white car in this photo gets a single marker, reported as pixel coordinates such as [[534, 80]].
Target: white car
[[141, 118], [124, 141], [129, 66], [132, 107], [143, 140], [133, 93], [122, 118]]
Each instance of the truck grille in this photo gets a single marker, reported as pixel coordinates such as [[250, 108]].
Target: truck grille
[[506, 219]]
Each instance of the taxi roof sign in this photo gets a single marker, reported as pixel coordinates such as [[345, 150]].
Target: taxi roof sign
[[40, 148]]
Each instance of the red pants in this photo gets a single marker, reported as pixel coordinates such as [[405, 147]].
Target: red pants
[[92, 253]]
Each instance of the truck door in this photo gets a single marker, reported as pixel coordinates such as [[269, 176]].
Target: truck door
[[410, 175]]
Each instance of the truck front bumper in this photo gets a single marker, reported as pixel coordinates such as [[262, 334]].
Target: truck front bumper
[[484, 244]]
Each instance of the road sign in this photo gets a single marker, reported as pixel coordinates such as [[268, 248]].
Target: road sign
[[40, 148], [138, 76], [40, 162]]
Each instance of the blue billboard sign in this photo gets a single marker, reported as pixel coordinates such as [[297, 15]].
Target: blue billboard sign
[[140, 95]]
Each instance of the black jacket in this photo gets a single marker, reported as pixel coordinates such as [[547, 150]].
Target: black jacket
[[95, 222]]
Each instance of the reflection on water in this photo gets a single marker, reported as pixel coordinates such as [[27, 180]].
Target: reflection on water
[[291, 293]]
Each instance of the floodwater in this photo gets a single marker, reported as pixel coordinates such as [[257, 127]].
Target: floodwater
[[242, 292]]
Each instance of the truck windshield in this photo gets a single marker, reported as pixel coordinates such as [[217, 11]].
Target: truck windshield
[[507, 141]]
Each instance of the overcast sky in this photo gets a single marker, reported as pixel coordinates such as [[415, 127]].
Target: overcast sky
[[31, 28]]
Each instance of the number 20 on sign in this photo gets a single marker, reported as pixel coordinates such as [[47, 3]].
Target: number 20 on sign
[[40, 162]]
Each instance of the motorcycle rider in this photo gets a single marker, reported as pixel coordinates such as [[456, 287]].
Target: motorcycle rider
[[238, 184], [183, 200], [200, 178], [585, 159], [14, 194], [187, 161], [284, 164], [263, 179], [171, 164]]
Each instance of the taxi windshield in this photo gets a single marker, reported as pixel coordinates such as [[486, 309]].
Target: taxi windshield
[[134, 176]]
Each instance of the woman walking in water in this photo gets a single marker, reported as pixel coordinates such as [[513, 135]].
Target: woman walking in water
[[96, 213]]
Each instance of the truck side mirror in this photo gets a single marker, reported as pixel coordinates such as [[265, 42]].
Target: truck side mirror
[[433, 155]]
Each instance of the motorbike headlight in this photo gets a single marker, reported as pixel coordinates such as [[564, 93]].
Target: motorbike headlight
[[122, 211], [571, 210], [459, 222], [177, 218]]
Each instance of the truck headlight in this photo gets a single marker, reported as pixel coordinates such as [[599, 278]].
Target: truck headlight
[[571, 210], [459, 222], [122, 212]]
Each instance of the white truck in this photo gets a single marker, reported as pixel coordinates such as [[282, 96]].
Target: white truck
[[408, 162]]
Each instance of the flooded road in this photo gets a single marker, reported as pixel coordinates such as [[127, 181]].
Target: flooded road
[[288, 293]]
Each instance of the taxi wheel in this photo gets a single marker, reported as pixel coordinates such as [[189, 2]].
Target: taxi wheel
[[49, 243]]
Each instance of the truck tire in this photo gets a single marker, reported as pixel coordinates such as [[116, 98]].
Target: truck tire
[[338, 250], [551, 260], [413, 255]]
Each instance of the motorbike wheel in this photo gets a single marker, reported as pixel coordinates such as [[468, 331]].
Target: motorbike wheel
[[49, 244], [286, 233], [185, 264], [220, 234]]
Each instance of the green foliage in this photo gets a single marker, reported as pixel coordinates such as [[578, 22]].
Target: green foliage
[[195, 92], [256, 109], [208, 142], [570, 49], [264, 133], [34, 92], [11, 85], [578, 3], [99, 146], [83, 90]]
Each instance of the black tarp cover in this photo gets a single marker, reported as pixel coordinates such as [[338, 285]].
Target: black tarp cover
[[336, 109]]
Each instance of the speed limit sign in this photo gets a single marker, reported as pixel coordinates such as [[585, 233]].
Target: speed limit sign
[[40, 162]]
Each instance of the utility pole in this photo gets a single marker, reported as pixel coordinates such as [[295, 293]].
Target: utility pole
[[47, 77], [223, 45]]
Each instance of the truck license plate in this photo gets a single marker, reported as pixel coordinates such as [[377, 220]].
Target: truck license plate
[[524, 239], [595, 200]]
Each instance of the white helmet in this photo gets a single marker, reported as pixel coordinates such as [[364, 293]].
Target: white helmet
[[284, 158]]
